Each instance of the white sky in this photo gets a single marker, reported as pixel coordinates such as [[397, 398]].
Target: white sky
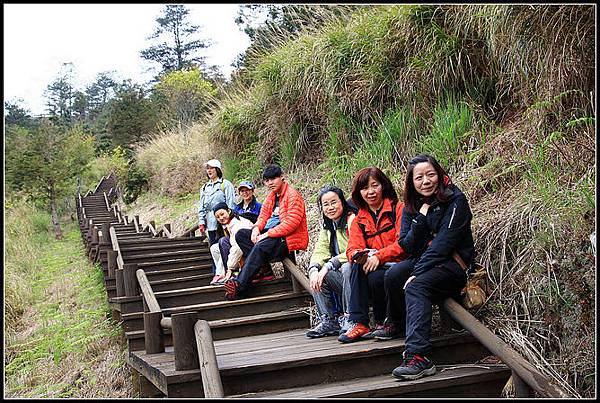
[[39, 38]]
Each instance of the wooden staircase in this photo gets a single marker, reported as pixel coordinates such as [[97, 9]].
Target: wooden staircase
[[157, 286]]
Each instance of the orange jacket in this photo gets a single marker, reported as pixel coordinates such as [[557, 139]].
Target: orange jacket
[[292, 216], [386, 242]]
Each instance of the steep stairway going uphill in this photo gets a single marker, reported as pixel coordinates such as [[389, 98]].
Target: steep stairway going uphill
[[185, 340]]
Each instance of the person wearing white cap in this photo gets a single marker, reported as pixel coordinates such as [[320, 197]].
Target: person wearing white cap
[[215, 191]]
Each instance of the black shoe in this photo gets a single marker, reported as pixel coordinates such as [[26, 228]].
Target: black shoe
[[389, 331], [414, 366]]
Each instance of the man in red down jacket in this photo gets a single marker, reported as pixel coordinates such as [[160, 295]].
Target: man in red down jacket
[[280, 229]]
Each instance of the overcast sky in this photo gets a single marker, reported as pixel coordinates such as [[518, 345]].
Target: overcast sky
[[39, 38]]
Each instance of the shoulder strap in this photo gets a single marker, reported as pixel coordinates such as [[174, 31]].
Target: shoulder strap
[[381, 231]]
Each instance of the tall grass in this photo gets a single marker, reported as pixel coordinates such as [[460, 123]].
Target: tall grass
[[64, 343]]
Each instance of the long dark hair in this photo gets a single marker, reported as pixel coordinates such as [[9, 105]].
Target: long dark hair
[[361, 181], [346, 207], [413, 199]]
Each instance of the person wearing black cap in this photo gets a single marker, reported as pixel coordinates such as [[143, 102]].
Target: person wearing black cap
[[228, 224], [280, 229]]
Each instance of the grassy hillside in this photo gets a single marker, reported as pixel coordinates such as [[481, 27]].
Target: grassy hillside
[[502, 95], [59, 339]]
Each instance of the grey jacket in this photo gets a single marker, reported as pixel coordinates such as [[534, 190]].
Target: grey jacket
[[211, 194]]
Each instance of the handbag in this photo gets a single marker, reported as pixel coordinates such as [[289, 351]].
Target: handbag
[[474, 293]]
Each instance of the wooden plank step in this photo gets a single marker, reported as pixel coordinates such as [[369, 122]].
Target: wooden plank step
[[289, 359], [161, 254], [222, 329], [228, 309], [463, 380], [195, 295]]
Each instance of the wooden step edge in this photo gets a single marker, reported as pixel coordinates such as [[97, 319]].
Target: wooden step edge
[[217, 304], [244, 320], [388, 386]]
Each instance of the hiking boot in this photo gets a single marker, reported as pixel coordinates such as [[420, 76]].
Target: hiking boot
[[232, 290], [327, 327], [354, 333], [389, 331], [414, 366], [369, 335], [344, 323]]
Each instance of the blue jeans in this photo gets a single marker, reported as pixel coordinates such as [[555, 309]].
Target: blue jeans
[[224, 247], [361, 287], [433, 286], [336, 285]]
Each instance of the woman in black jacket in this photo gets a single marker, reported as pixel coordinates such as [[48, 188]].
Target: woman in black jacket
[[436, 231]]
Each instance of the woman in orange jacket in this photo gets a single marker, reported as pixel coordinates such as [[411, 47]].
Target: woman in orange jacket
[[372, 244]]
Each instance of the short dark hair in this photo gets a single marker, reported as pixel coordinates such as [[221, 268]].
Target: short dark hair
[[272, 171], [219, 173], [361, 181], [411, 196]]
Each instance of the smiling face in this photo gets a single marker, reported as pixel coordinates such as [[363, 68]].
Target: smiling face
[[425, 179], [373, 194], [332, 205], [246, 194], [222, 216]]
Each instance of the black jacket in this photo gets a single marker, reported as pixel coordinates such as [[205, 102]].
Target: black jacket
[[451, 221]]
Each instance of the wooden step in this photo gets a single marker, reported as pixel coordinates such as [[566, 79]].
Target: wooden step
[[195, 295], [289, 359], [228, 309], [297, 318], [450, 381]]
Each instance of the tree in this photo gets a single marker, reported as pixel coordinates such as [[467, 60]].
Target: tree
[[180, 52], [131, 116], [185, 95], [45, 162], [60, 94], [17, 115], [100, 91]]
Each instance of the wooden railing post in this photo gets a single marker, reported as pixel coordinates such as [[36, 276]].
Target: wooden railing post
[[184, 345], [130, 280], [209, 368], [119, 283], [136, 222], [111, 257], [153, 333]]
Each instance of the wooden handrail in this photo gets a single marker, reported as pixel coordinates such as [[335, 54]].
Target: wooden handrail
[[209, 368], [98, 185], [166, 229], [297, 274], [116, 248], [524, 369], [106, 201], [147, 291], [80, 204], [151, 228]]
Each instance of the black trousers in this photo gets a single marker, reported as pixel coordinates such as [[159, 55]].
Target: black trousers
[[393, 282], [257, 255]]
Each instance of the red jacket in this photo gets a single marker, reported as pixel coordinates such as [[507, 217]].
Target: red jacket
[[386, 242], [292, 216]]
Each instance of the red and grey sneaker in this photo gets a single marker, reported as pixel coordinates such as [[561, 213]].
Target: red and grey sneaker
[[265, 274], [414, 366], [232, 289], [354, 333]]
